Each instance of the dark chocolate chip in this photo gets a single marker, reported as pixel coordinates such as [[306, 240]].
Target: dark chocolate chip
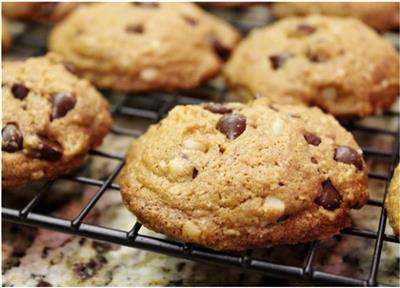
[[195, 173], [19, 91], [232, 125], [278, 60], [348, 155], [317, 57], [45, 9], [48, 150], [43, 283], [329, 197], [191, 21], [305, 29], [135, 28], [222, 51], [272, 107], [312, 139], [217, 108], [12, 138], [146, 4], [62, 104]]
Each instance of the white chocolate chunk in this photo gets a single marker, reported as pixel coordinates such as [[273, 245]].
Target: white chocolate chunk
[[148, 74], [179, 167], [275, 204], [277, 126]]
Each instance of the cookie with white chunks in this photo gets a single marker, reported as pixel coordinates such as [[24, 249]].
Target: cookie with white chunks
[[338, 64], [238, 176], [50, 120], [393, 201], [142, 46]]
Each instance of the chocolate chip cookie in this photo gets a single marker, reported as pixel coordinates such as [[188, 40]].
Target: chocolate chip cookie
[[381, 16], [50, 120], [237, 176], [142, 46], [5, 36], [393, 201], [338, 64], [37, 11]]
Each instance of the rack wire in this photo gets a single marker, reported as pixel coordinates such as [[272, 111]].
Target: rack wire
[[153, 107]]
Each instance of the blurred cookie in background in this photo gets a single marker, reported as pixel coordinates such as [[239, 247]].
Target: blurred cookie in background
[[5, 36], [142, 46], [381, 16], [38, 11], [393, 201], [338, 64]]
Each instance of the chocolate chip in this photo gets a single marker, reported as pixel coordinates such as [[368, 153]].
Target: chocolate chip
[[62, 103], [88, 270], [11, 138], [232, 125], [222, 51], [329, 198], [19, 91], [305, 29], [217, 108], [312, 139], [43, 283], [135, 28], [195, 173], [278, 60], [348, 155], [48, 150], [191, 21], [317, 57]]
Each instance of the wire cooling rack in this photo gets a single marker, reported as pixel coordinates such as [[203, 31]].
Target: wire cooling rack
[[153, 107]]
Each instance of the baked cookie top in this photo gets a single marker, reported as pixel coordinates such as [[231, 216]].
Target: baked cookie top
[[142, 46], [224, 176], [393, 201], [338, 64], [37, 11], [50, 119], [381, 16]]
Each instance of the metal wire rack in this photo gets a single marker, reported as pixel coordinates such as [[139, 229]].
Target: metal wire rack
[[153, 107]]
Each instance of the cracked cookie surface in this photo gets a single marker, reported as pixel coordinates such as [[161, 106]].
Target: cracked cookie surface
[[381, 16], [235, 176], [340, 65], [142, 47], [51, 119]]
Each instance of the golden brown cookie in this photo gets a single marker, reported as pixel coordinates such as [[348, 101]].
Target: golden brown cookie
[[379, 15], [141, 47], [393, 201], [5, 36], [50, 120], [338, 64], [237, 176], [38, 11]]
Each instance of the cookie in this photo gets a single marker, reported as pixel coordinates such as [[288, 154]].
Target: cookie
[[393, 201], [381, 16], [37, 11], [238, 176], [5, 36], [50, 119], [338, 64], [142, 47]]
